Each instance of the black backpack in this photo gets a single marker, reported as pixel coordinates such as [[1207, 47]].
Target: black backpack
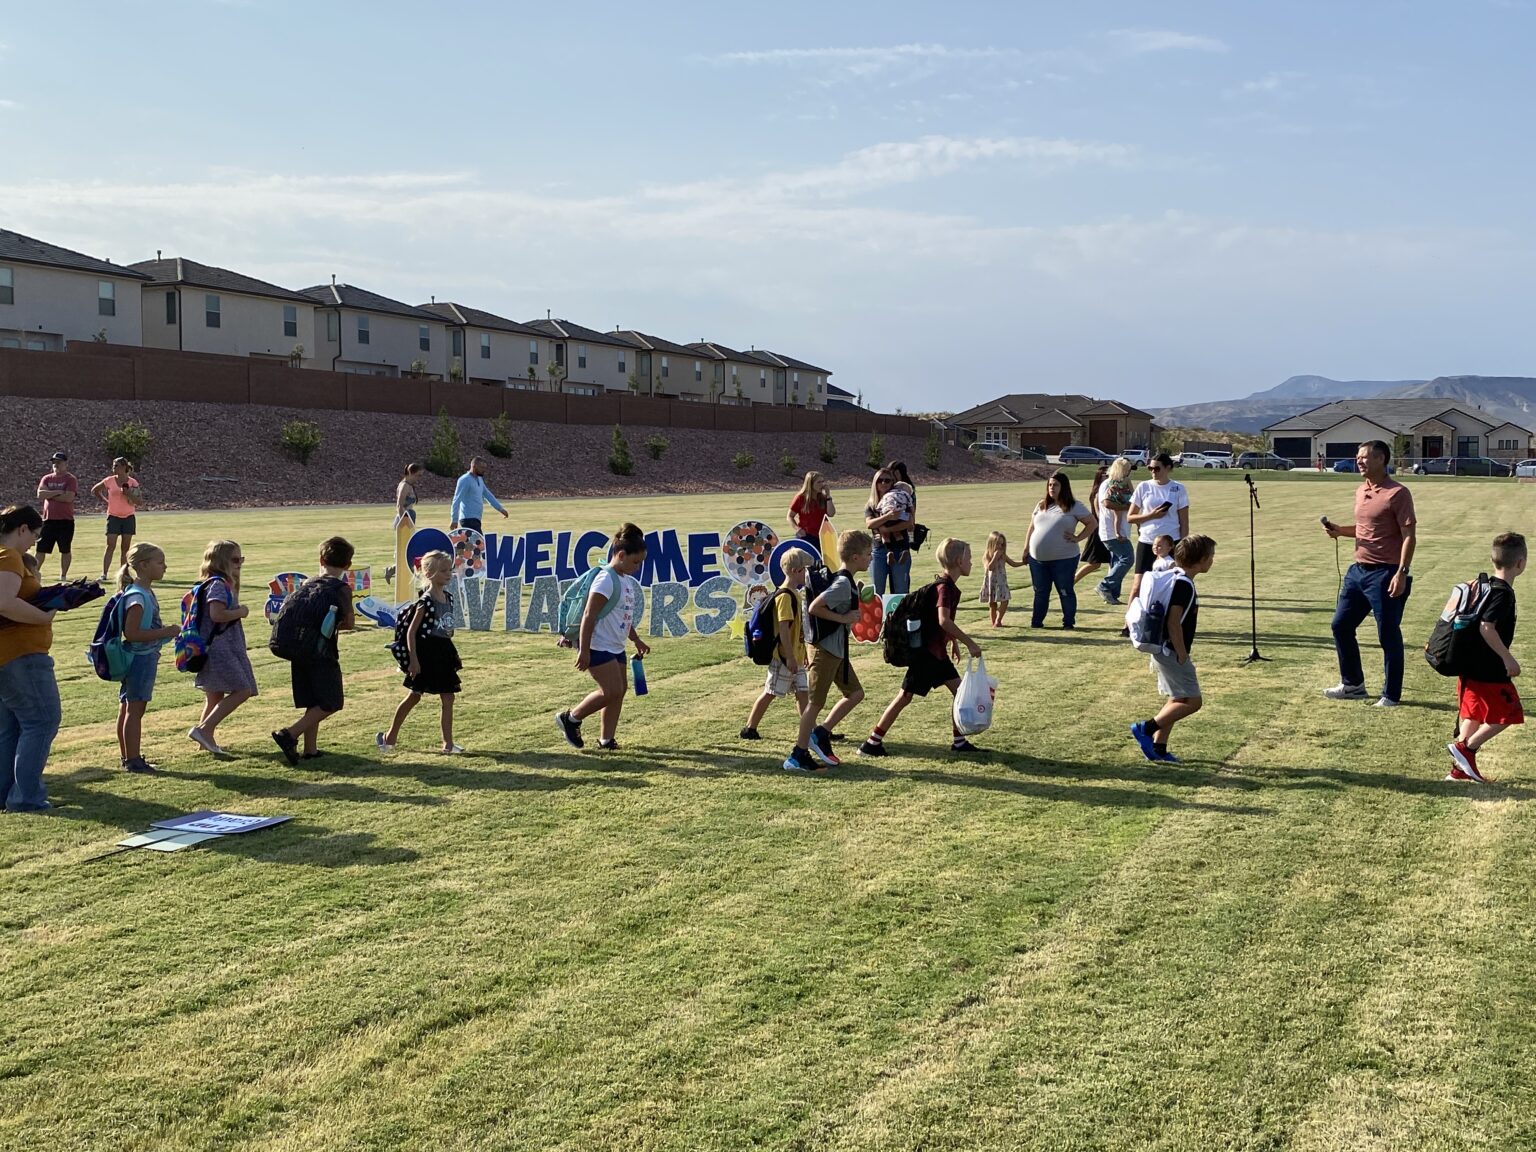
[[297, 633], [762, 637], [909, 624], [817, 580], [1455, 643]]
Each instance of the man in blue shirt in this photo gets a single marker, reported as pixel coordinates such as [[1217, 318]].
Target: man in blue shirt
[[470, 496]]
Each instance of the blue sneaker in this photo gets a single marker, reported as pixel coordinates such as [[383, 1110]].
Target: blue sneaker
[[800, 761], [1168, 758], [1144, 739]]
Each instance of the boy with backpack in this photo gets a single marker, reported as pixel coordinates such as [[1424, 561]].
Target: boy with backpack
[[781, 622], [833, 610], [304, 634], [1487, 700], [929, 616], [1162, 621]]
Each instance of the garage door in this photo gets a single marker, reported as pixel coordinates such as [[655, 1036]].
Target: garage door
[[1101, 435], [1048, 442], [1336, 450], [1297, 448]]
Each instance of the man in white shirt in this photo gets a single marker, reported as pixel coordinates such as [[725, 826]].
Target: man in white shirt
[[1159, 507]]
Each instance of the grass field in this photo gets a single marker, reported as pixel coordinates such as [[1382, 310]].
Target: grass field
[[1298, 939]]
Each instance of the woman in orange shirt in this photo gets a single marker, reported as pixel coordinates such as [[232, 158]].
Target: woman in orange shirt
[[29, 694], [121, 492]]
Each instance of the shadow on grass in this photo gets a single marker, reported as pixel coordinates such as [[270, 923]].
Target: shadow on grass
[[308, 844], [1427, 785]]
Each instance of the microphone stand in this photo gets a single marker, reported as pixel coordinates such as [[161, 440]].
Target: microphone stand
[[1253, 580]]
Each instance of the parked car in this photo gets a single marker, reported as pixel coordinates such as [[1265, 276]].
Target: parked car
[[1137, 457], [1526, 468], [1462, 466], [1198, 460], [1220, 459], [990, 450], [1258, 461], [1349, 466], [1082, 454]]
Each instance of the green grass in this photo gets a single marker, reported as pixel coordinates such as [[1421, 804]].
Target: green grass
[[1298, 939]]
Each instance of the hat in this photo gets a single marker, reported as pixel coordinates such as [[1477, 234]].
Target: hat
[[59, 455]]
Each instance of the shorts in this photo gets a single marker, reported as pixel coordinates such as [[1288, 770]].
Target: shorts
[[829, 671], [600, 658], [317, 684], [58, 534], [927, 672], [1489, 702], [1145, 557], [1174, 680], [122, 525], [139, 684], [781, 681]]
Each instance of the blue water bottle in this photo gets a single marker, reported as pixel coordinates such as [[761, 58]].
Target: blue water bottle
[[637, 668]]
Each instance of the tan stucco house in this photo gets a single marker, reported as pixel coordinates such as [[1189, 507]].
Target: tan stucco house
[[51, 295], [194, 307], [1048, 423], [363, 332], [485, 348], [1420, 428], [587, 362]]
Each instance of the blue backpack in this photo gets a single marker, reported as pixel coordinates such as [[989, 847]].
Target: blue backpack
[[108, 658], [762, 636], [573, 604]]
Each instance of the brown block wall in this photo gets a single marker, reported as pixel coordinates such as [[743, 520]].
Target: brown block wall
[[541, 407], [688, 415], [51, 376], [297, 387], [643, 412], [592, 409], [733, 418], [470, 400], [174, 378], [770, 420], [405, 396]]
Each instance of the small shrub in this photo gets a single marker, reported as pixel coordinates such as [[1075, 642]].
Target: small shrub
[[932, 450], [787, 464], [876, 457], [620, 462], [443, 458], [743, 460], [656, 445], [828, 451], [301, 439], [500, 443], [129, 439]]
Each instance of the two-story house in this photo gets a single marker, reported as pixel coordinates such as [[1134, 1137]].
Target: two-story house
[[580, 360], [806, 383], [484, 348], [51, 295], [194, 307], [668, 369], [363, 332], [738, 378]]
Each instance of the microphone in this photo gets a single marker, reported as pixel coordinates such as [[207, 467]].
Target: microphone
[[1252, 491]]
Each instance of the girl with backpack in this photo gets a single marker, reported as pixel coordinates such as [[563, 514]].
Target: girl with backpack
[[143, 637], [226, 678], [431, 661], [607, 622], [810, 507]]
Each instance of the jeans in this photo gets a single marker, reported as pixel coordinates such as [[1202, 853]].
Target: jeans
[[898, 574], [1043, 574], [29, 720], [1121, 556], [471, 522], [1365, 594]]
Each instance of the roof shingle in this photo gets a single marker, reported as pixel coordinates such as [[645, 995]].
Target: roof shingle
[[361, 300], [178, 270], [19, 249]]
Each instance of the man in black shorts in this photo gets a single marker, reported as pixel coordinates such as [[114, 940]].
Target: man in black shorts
[[58, 491]]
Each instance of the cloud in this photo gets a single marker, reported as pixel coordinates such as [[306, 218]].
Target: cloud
[[8, 105], [878, 57], [1275, 84], [1139, 41]]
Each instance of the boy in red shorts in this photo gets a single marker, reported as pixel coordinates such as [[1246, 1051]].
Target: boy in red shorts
[[1488, 700]]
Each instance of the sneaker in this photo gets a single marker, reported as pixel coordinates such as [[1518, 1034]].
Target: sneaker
[[872, 748], [962, 746], [1385, 702], [202, 740], [1460, 777], [799, 761], [139, 766], [1144, 739], [288, 745], [607, 745], [382, 744], [750, 734], [1104, 595], [821, 747], [453, 750], [1166, 757], [1342, 691], [1466, 762], [570, 729]]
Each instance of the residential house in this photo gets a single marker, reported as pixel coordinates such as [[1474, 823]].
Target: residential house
[[807, 384], [484, 348], [1417, 428], [363, 332], [840, 399], [51, 295], [194, 307], [582, 360], [735, 375], [1048, 423], [670, 370]]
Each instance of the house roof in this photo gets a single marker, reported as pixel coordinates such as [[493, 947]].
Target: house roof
[[721, 352], [994, 414], [1022, 404], [1396, 415], [657, 344], [19, 249], [801, 365], [566, 330], [834, 390], [462, 314], [1051, 418], [178, 270], [361, 300]]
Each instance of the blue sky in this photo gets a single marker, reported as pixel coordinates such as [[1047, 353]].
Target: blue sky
[[939, 202]]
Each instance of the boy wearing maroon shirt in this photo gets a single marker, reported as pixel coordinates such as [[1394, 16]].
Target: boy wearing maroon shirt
[[1488, 701]]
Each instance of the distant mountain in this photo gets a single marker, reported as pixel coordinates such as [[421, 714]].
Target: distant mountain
[[1319, 389], [1231, 415]]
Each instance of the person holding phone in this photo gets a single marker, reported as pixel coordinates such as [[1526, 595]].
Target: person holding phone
[[1159, 507]]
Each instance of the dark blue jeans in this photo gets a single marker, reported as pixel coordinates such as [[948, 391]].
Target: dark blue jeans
[[1365, 594], [1045, 573]]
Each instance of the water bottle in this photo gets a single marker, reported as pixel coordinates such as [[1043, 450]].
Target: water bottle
[[914, 632], [637, 668], [328, 625]]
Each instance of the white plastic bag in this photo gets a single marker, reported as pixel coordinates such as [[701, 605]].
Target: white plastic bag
[[976, 697]]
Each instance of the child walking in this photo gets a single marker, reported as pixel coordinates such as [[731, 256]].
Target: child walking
[[432, 661], [227, 679], [994, 577], [788, 671], [1176, 676], [932, 665], [316, 674], [830, 663], [1488, 702], [604, 630], [143, 636]]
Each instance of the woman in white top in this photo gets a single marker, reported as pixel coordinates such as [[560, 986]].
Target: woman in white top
[[1115, 528], [1159, 507], [1059, 524], [1095, 555]]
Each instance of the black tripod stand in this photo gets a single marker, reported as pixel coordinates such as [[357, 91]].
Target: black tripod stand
[[1253, 579]]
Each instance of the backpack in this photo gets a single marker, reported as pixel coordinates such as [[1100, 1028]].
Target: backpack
[[399, 647], [762, 635], [573, 604], [108, 658], [299, 632], [817, 580], [1455, 642], [1147, 617], [907, 625], [190, 645]]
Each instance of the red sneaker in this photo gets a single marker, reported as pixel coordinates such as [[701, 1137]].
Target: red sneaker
[[1466, 762]]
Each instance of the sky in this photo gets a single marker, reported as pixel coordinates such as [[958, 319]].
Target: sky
[[941, 203]]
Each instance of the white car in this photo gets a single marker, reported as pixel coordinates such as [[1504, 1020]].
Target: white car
[[1199, 460], [993, 450], [1526, 468], [1219, 459]]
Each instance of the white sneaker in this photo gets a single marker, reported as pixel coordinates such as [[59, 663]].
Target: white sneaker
[[453, 750], [200, 738], [380, 743], [1385, 702], [1342, 691]]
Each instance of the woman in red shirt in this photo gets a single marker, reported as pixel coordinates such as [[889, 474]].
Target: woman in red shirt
[[811, 505]]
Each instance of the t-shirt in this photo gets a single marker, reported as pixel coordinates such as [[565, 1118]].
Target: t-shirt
[[900, 503], [1163, 563], [149, 619], [1382, 511], [947, 595], [611, 633], [1183, 595], [1050, 525], [842, 597], [16, 639], [117, 501], [1498, 609], [808, 514], [59, 509], [1113, 524], [1149, 495], [1116, 492], [789, 610]]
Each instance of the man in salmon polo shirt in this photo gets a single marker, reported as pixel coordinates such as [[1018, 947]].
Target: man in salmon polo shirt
[[1378, 582]]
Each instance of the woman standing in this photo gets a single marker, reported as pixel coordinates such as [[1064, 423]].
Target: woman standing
[[1095, 554], [1115, 528], [121, 492], [892, 560], [405, 492], [811, 505], [1058, 525], [29, 694]]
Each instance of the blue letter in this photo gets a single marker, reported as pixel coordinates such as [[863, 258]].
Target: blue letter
[[663, 559], [536, 554], [701, 556], [504, 557], [563, 567], [581, 561]]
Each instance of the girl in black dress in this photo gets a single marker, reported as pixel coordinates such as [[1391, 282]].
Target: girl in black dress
[[430, 660]]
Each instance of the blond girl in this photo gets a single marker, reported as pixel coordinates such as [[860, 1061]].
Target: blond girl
[[227, 679], [994, 577], [810, 507], [143, 637], [432, 661]]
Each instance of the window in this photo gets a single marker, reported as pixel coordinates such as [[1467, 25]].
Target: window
[[560, 355], [664, 369], [1467, 446], [9, 342], [362, 330], [170, 307], [994, 436], [211, 311], [37, 345], [106, 298], [762, 378], [1509, 445], [332, 327], [698, 372], [581, 355], [622, 368], [424, 338], [523, 386], [458, 341], [290, 320], [797, 380], [7, 286], [581, 390], [485, 345], [533, 353], [818, 383]]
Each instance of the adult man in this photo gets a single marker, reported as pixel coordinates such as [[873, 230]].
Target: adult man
[[1378, 582], [1159, 507], [58, 491], [470, 496]]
